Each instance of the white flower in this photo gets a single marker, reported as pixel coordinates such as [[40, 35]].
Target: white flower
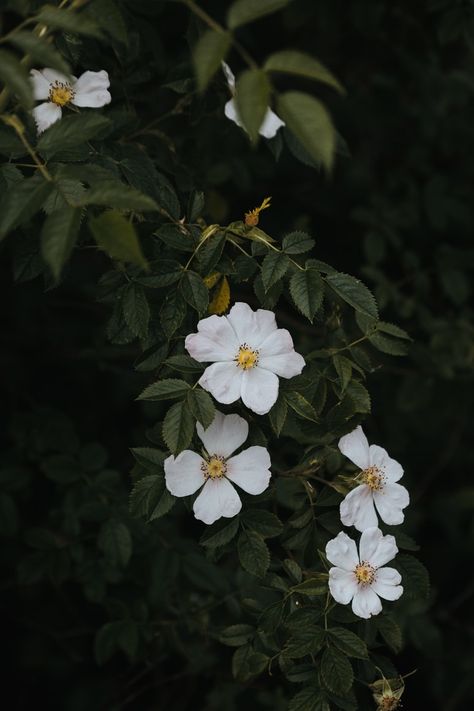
[[188, 472], [90, 90], [379, 474], [248, 352], [361, 578], [271, 122]]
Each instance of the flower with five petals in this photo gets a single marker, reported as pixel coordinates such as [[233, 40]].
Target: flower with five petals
[[378, 476], [361, 577], [90, 90], [249, 352], [217, 471]]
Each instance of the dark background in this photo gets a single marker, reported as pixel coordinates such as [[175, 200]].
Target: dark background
[[397, 212]]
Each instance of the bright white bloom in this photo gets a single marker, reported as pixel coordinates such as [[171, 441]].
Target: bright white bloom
[[271, 122], [379, 474], [249, 352], [360, 577], [90, 90], [188, 472]]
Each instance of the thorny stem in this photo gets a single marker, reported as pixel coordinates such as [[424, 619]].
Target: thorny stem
[[19, 129]]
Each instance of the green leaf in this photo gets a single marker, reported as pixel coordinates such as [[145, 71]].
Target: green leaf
[[348, 643], [309, 121], [22, 201], [253, 553], [16, 78], [359, 396], [136, 310], [70, 132], [307, 291], [391, 346], [117, 236], [178, 427], [145, 495], [106, 14], [278, 414], [220, 533], [165, 273], [168, 389], [307, 640], [289, 61], [336, 671], [310, 698], [390, 631], [415, 578], [202, 406], [40, 50], [246, 663], [115, 542], [208, 54], [262, 522], [164, 504], [301, 406], [194, 291], [316, 585], [172, 313], [149, 457], [243, 11], [176, 238], [274, 267], [68, 21], [252, 95], [185, 364], [236, 635], [58, 237], [353, 292], [119, 196], [297, 243], [343, 368], [210, 254]]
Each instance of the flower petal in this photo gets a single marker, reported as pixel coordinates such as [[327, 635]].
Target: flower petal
[[229, 75], [278, 355], [342, 552], [250, 469], [91, 90], [389, 503], [40, 85], [45, 115], [218, 498], [251, 327], [259, 390], [357, 509], [375, 548], [356, 447], [387, 584], [342, 585], [378, 456], [271, 124], [223, 381], [366, 603], [214, 341], [183, 474], [230, 110], [224, 435], [52, 75]]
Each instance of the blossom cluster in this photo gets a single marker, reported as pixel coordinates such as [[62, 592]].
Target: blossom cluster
[[248, 354]]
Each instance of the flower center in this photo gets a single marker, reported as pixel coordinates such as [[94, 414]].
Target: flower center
[[215, 467], [374, 478], [365, 573], [61, 93], [246, 358]]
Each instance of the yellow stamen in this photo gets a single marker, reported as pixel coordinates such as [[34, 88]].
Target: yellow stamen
[[215, 467], [365, 573], [246, 358], [60, 93], [252, 217], [374, 478]]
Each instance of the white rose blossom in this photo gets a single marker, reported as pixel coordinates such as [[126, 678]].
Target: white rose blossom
[[214, 472], [249, 352], [378, 476], [271, 122], [361, 577], [90, 90]]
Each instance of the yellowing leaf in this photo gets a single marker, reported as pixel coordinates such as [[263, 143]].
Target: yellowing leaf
[[221, 300]]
